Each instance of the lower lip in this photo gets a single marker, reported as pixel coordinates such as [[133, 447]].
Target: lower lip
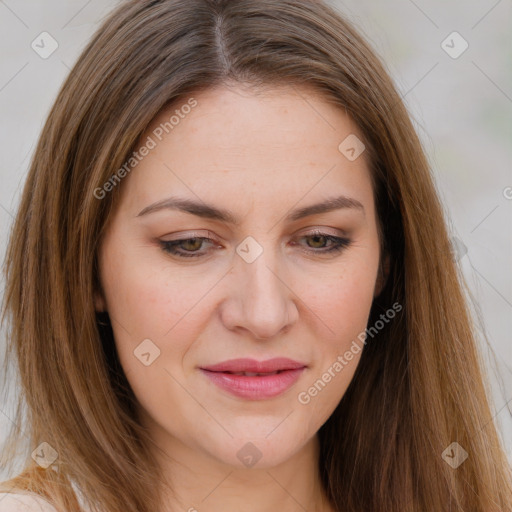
[[255, 388]]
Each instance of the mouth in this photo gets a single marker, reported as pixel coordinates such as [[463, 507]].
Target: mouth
[[254, 374], [254, 380]]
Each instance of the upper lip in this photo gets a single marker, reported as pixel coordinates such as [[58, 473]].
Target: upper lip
[[254, 366]]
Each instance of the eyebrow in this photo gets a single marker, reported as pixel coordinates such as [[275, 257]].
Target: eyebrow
[[211, 212]]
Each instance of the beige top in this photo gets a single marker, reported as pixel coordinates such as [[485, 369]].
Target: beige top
[[23, 502]]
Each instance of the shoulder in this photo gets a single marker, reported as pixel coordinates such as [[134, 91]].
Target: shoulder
[[23, 502]]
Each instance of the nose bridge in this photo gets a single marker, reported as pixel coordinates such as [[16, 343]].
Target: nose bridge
[[262, 277], [264, 298]]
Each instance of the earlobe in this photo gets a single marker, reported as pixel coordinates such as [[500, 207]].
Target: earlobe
[[99, 302]]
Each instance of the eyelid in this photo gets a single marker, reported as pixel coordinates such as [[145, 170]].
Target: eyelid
[[309, 231], [340, 243], [186, 235], [324, 231]]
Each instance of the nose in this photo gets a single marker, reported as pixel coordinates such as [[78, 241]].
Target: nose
[[260, 298]]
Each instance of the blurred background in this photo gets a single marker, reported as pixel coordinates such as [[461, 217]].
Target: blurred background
[[452, 63]]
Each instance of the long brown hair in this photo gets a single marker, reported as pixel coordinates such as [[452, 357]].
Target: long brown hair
[[418, 387]]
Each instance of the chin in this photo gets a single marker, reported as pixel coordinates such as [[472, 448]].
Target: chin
[[259, 452]]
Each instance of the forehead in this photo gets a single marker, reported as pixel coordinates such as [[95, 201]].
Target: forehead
[[233, 116], [232, 142]]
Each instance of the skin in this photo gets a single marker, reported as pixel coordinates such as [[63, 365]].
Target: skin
[[259, 155]]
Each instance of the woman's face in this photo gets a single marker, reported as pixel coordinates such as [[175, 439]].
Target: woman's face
[[224, 247]]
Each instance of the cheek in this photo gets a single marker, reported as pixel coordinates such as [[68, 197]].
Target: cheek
[[342, 310], [147, 300], [342, 300]]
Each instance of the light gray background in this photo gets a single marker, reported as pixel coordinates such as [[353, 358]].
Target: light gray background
[[462, 109]]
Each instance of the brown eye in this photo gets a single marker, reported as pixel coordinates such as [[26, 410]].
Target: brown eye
[[186, 247], [191, 244], [319, 240], [190, 247]]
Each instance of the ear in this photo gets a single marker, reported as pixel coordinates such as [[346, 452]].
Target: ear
[[99, 302], [382, 276]]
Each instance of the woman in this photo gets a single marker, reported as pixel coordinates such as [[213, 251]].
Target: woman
[[231, 284]]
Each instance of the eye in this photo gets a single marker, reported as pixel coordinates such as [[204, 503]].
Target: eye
[[185, 247], [319, 240], [190, 247]]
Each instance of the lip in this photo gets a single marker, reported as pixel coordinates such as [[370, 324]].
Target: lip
[[255, 387]]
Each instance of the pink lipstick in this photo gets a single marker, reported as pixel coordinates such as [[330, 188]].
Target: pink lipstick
[[255, 380]]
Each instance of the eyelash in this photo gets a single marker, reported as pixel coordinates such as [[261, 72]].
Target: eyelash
[[339, 245]]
